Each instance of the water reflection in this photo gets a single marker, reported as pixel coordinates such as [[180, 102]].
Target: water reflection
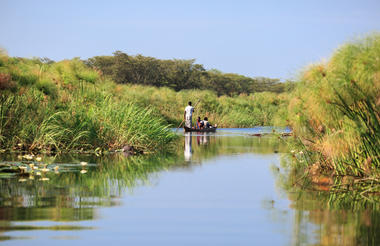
[[188, 150], [69, 191], [71, 197], [328, 217], [201, 139], [334, 219]]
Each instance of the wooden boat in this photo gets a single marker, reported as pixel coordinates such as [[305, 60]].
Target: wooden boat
[[213, 129]]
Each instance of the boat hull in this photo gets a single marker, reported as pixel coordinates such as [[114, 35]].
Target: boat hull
[[200, 130]]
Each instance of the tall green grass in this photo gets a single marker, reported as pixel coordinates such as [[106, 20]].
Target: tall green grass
[[65, 106], [237, 111], [335, 110]]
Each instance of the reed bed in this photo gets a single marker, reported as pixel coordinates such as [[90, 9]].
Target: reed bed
[[67, 106], [335, 111], [259, 109]]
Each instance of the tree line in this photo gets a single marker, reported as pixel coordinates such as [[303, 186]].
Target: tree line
[[179, 74]]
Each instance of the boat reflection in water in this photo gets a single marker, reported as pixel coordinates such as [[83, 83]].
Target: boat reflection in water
[[202, 139]]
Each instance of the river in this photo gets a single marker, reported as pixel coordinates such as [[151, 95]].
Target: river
[[227, 188]]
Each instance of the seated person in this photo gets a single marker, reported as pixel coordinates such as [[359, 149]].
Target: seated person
[[199, 124], [206, 123]]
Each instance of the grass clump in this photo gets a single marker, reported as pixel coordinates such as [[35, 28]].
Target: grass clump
[[47, 87]]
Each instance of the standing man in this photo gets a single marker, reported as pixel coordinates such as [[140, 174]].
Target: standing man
[[187, 116]]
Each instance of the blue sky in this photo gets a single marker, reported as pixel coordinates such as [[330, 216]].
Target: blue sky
[[254, 38]]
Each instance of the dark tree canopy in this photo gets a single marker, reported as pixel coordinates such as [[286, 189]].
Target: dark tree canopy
[[178, 74]]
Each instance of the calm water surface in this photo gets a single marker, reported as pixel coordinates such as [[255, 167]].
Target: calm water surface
[[217, 189]]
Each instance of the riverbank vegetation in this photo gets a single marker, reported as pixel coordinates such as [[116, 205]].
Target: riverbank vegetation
[[68, 105], [244, 110], [61, 106], [335, 112], [230, 100]]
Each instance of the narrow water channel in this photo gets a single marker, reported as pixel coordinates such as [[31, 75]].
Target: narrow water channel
[[216, 189]]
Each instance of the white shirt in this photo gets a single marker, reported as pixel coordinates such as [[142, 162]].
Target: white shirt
[[189, 110]]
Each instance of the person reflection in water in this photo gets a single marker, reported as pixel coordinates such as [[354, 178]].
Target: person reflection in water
[[188, 150], [203, 138]]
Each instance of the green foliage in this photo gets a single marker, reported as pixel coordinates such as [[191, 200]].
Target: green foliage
[[24, 79], [237, 111], [47, 87], [336, 111], [65, 105], [178, 75], [88, 76]]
